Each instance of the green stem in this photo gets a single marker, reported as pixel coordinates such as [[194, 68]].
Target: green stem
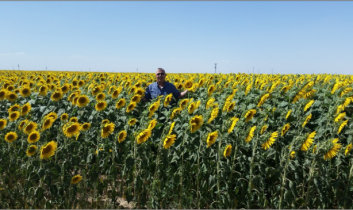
[[311, 173], [250, 177], [181, 189], [198, 175], [347, 186], [283, 183]]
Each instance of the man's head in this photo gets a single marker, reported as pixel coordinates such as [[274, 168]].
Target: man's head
[[160, 75]]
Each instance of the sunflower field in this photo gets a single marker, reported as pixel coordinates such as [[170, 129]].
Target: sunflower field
[[83, 140]]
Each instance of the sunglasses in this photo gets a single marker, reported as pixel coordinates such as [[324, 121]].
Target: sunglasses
[[160, 74]]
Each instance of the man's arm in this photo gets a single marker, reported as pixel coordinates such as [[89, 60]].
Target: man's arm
[[147, 96], [182, 94]]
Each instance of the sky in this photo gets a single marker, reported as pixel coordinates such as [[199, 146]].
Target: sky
[[286, 37]]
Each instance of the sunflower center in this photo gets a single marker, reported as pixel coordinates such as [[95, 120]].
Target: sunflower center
[[33, 137], [72, 128], [47, 122], [85, 126], [12, 96], [10, 137], [25, 109], [47, 149], [31, 149], [25, 91]]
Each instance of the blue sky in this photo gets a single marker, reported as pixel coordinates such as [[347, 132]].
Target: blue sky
[[179, 36]]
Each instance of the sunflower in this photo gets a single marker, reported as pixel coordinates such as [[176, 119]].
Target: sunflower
[[25, 109], [249, 114], [169, 141], [263, 129], [100, 97], [140, 91], [48, 150], [82, 101], [76, 179], [65, 88], [107, 129], [333, 151], [188, 84], [152, 124], [73, 120], [270, 141], [71, 129], [348, 149], [143, 136], [115, 94], [288, 114], [22, 124], [31, 150], [292, 154], [171, 128], [183, 103], [263, 99], [211, 138], [121, 136], [308, 142], [105, 121], [10, 137], [25, 91], [342, 126], [81, 83], [86, 126], [131, 107], [136, 99], [30, 127], [48, 122], [227, 151], [214, 114], [57, 95], [168, 99], [285, 129], [308, 105], [3, 123], [64, 117], [250, 135], [14, 115], [43, 90], [211, 89], [196, 122], [120, 103], [12, 97], [132, 122], [101, 105], [3, 94], [234, 122], [33, 137], [175, 112], [340, 117], [307, 120], [192, 107], [210, 102], [14, 108]]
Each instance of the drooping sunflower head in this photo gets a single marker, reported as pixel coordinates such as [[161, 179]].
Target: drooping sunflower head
[[234, 122], [64, 117], [25, 91], [76, 179], [33, 137], [132, 122], [48, 150], [31, 150], [3, 94], [121, 136], [285, 129], [332, 149], [263, 129], [249, 115], [100, 97], [71, 97], [14, 115], [211, 138], [11, 136], [152, 124], [25, 109], [250, 135], [231, 106], [210, 102], [52, 115], [107, 129], [175, 112], [86, 126], [101, 105], [348, 149], [211, 89], [227, 151], [130, 107], [3, 123], [143, 136], [308, 142], [168, 99], [169, 141], [171, 128], [196, 122]]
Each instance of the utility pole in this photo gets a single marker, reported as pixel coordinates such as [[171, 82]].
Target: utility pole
[[215, 68], [18, 66], [46, 68], [137, 69]]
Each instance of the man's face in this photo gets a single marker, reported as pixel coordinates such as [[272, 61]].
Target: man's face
[[160, 76]]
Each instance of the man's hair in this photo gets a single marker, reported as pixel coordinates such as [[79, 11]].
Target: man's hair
[[161, 69]]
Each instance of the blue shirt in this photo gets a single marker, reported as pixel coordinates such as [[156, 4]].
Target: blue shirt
[[153, 90]]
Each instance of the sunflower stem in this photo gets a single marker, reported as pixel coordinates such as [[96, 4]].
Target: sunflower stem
[[218, 170], [181, 187], [283, 182], [198, 175], [250, 177], [347, 186], [311, 173]]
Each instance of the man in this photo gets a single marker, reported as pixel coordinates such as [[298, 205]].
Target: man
[[161, 87]]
